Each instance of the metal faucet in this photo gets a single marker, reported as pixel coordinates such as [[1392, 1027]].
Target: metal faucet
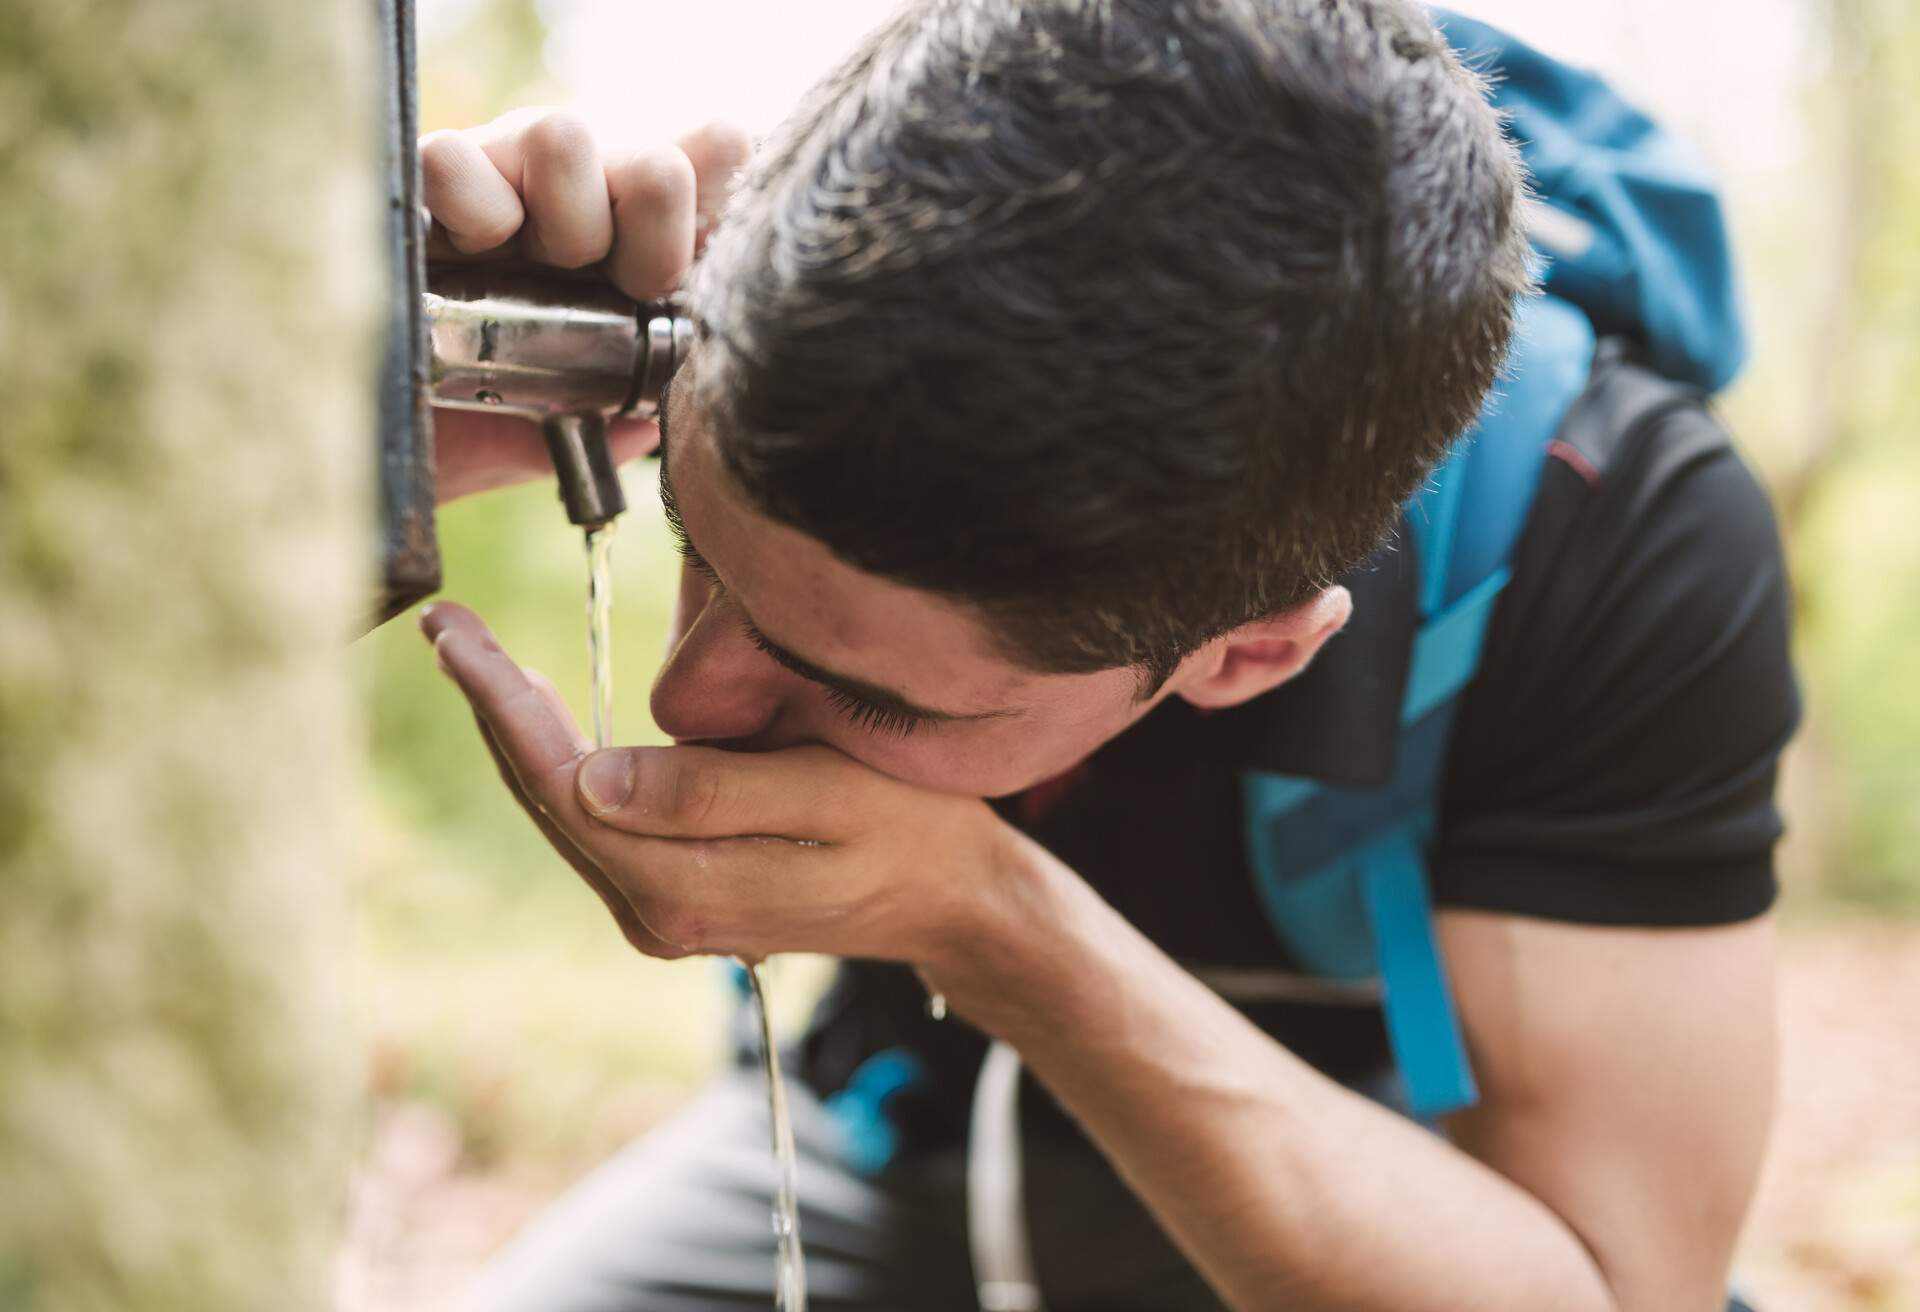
[[568, 353]]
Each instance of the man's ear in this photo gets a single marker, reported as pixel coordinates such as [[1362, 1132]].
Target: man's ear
[[1261, 654]]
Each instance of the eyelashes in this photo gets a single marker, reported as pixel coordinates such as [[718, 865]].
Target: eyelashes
[[866, 715], [883, 720], [694, 560]]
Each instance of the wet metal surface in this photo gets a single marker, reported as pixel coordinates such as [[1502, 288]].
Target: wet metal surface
[[559, 350]]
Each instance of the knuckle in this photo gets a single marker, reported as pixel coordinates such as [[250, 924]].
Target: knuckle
[[437, 152], [695, 794], [560, 136], [445, 164], [456, 192], [660, 178], [722, 146]]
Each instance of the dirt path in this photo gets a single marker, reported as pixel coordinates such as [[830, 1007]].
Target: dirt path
[[1837, 1223], [1836, 1227]]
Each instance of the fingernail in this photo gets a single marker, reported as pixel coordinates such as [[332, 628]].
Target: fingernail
[[606, 780]]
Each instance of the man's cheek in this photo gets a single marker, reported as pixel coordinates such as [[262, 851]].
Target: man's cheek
[[923, 759]]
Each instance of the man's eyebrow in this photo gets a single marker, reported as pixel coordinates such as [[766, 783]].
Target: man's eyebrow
[[859, 690], [669, 506], [660, 412]]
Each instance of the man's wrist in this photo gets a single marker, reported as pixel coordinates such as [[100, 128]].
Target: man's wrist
[[993, 959]]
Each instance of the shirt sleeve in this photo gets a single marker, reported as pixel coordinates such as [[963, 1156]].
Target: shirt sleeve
[[1614, 760]]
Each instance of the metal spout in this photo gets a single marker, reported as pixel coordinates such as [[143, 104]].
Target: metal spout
[[570, 354], [589, 483]]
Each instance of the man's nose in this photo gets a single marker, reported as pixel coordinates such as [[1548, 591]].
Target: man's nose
[[716, 684]]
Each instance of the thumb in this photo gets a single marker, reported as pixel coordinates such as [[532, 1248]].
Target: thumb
[[803, 793]]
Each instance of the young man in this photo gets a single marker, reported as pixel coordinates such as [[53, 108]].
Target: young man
[[1067, 376]]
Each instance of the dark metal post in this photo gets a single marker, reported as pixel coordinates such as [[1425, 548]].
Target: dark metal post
[[409, 551]]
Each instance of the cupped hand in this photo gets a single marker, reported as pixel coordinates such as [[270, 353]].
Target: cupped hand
[[535, 186], [699, 850]]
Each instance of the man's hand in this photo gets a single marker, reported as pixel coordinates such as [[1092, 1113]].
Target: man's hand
[[697, 850], [534, 185]]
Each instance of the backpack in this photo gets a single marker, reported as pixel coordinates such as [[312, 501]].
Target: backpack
[[1632, 244]]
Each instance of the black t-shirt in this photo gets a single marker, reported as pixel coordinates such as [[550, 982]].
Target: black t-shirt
[[1612, 761]]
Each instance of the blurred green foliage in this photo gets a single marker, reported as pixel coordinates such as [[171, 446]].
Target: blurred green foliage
[[1831, 408], [487, 60]]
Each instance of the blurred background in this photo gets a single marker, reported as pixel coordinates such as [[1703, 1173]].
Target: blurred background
[[513, 1037]]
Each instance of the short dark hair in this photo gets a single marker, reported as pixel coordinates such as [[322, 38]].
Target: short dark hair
[[1122, 321]]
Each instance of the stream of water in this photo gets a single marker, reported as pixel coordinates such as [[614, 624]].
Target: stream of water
[[600, 630], [790, 1271]]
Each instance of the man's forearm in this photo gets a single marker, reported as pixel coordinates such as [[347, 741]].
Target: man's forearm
[[1283, 1188]]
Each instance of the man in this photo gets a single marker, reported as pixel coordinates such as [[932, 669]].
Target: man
[[1063, 369]]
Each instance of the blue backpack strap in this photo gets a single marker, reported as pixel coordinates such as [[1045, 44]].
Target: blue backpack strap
[[869, 1139], [1495, 468], [1342, 872], [1422, 1029]]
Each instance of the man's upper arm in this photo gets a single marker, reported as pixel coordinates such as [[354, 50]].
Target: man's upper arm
[[1626, 1080]]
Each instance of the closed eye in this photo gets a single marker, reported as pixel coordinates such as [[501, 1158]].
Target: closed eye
[[871, 716]]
